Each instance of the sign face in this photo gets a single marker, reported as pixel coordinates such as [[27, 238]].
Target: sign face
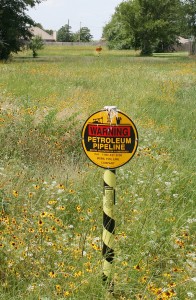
[[109, 139]]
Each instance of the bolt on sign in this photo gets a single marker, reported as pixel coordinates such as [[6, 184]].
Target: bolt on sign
[[109, 138]]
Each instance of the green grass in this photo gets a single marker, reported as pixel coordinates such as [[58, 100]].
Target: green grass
[[51, 194]]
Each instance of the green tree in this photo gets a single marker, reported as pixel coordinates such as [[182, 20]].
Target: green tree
[[148, 23], [64, 34], [39, 25], [189, 22], [14, 25], [36, 44], [116, 34], [83, 35], [49, 31]]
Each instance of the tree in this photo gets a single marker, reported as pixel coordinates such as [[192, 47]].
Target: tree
[[39, 25], [14, 25], [148, 23], [116, 34], [64, 34], [189, 22], [49, 31], [83, 35], [36, 44]]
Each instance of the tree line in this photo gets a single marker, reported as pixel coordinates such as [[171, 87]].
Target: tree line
[[65, 34], [145, 25], [15, 24], [151, 25]]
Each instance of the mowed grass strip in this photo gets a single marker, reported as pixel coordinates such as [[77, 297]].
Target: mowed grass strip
[[51, 195]]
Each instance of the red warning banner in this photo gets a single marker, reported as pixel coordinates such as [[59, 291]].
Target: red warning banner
[[109, 131]]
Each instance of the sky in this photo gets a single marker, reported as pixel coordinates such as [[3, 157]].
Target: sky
[[94, 14]]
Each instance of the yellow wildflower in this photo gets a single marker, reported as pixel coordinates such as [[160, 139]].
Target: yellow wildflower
[[15, 193], [137, 267], [52, 274], [58, 287]]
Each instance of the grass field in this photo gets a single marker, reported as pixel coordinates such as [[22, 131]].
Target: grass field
[[51, 194]]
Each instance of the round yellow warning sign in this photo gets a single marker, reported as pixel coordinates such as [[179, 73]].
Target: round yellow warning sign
[[109, 138]]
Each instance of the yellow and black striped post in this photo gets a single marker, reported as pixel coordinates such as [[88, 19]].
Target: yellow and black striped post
[[108, 225]]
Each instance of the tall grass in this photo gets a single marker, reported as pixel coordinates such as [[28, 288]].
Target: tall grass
[[51, 195]]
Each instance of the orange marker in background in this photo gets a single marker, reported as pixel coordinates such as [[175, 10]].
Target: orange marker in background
[[98, 50]]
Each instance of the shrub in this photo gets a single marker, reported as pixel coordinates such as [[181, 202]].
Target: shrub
[[36, 44]]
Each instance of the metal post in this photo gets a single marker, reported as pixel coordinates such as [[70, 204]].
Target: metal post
[[108, 225]]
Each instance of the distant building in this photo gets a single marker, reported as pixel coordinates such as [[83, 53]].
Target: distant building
[[183, 40], [184, 44], [36, 31]]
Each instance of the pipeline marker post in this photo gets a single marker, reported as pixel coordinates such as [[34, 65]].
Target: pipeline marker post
[[109, 139], [109, 180]]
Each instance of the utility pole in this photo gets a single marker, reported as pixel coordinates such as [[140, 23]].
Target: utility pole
[[68, 30], [80, 33]]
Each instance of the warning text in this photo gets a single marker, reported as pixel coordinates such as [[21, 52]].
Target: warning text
[[110, 131]]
